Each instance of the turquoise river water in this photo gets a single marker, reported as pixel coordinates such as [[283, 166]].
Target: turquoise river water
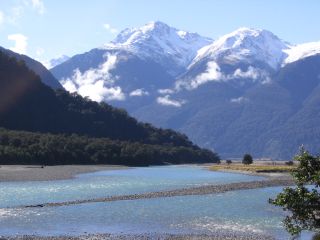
[[245, 211]]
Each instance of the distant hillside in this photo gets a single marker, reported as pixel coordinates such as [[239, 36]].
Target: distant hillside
[[45, 75], [27, 104]]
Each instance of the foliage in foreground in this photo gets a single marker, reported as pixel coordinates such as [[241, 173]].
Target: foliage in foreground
[[17, 147], [302, 201]]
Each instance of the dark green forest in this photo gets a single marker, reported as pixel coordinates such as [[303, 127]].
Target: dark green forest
[[55, 127], [20, 147]]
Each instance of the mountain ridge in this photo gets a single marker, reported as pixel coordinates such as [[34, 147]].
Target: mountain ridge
[[231, 97]]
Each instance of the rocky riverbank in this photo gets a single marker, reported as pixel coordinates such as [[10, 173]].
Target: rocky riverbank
[[201, 190]]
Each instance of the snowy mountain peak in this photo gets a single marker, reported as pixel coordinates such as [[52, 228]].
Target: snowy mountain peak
[[160, 42], [132, 35], [301, 51], [247, 44]]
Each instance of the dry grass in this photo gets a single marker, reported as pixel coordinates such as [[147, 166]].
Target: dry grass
[[254, 168]]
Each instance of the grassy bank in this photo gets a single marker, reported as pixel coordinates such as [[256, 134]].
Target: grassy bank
[[253, 168]]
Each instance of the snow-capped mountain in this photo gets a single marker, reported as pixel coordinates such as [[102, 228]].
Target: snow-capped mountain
[[244, 57], [143, 59], [162, 43], [251, 45], [300, 51], [56, 61], [235, 94], [246, 45]]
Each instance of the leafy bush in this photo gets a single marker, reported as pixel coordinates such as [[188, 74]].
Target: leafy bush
[[302, 201]]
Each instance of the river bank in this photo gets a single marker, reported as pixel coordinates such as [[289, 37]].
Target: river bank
[[14, 173]]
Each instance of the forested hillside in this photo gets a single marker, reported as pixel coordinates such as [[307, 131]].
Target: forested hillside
[[27, 104]]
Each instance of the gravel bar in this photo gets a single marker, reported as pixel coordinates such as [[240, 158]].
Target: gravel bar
[[201, 190]]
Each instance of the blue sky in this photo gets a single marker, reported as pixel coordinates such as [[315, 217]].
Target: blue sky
[[44, 29]]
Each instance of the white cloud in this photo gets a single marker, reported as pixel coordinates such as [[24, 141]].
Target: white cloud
[[239, 100], [1, 18], [139, 93], [212, 73], [69, 85], [39, 51], [97, 84], [111, 29], [166, 91], [252, 73], [166, 101], [97, 91], [20, 45], [255, 74], [15, 14], [38, 5]]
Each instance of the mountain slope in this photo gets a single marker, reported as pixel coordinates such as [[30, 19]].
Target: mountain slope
[[140, 60], [45, 75], [239, 93], [27, 104], [56, 61]]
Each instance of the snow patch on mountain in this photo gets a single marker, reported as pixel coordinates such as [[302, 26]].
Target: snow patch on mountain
[[246, 44], [301, 51], [158, 41], [97, 84], [56, 61]]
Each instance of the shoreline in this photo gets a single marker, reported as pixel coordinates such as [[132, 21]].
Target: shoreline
[[269, 175], [20, 173]]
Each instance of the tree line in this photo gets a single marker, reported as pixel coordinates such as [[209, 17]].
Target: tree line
[[19, 147]]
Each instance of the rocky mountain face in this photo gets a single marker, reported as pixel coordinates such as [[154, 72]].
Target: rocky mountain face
[[248, 91]]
